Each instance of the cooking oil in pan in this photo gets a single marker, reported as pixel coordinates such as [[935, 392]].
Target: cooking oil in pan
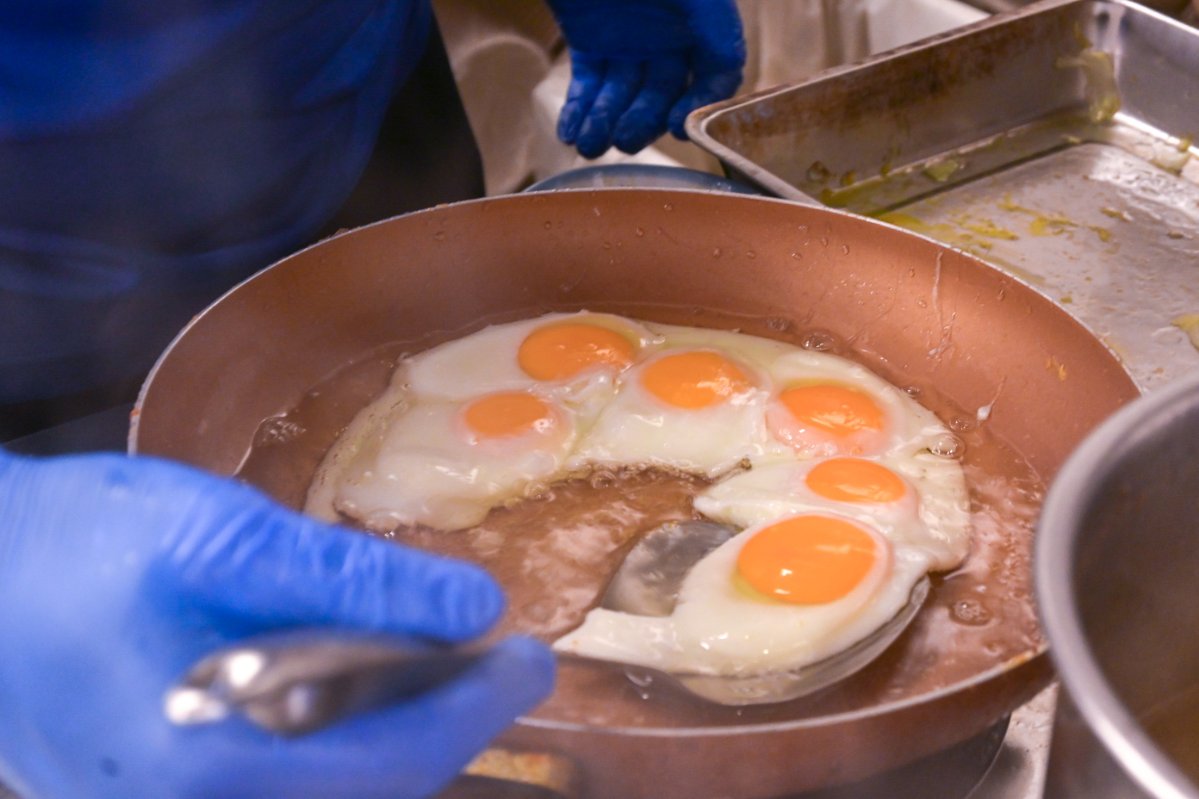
[[554, 553]]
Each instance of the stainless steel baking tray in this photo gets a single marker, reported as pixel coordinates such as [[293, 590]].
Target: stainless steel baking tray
[[1056, 142]]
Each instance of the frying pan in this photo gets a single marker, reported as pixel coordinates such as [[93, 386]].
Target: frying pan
[[1005, 364]]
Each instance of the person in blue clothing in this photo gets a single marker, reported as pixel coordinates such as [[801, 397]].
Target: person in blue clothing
[[152, 154]]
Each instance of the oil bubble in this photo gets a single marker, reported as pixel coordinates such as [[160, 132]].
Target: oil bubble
[[971, 612], [277, 430], [818, 341], [641, 681], [628, 471], [540, 492], [818, 172], [602, 478], [639, 678], [962, 424], [948, 446]]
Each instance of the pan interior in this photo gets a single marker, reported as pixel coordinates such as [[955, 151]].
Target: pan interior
[[284, 361], [554, 554]]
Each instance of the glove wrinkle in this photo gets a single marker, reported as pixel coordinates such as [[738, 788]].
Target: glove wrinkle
[[118, 573], [639, 126], [622, 80], [687, 53]]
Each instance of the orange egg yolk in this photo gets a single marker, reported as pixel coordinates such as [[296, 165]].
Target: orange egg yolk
[[838, 410], [694, 380], [808, 560], [508, 413], [561, 351], [855, 480]]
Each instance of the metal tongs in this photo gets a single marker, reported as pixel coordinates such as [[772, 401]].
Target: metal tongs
[[294, 683]]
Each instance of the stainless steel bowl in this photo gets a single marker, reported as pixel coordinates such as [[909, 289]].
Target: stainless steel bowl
[[1117, 581]]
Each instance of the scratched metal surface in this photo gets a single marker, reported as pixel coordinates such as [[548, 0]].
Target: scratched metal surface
[[1055, 142], [1111, 237]]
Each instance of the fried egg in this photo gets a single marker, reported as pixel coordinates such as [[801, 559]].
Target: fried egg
[[698, 411], [828, 471], [697, 404], [918, 500], [575, 357], [406, 459], [447, 463], [825, 405], [776, 597]]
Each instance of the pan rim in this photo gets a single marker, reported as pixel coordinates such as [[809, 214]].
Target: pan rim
[[938, 695], [544, 196], [811, 722]]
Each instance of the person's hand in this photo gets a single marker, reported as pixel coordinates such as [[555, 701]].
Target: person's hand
[[117, 573], [638, 67]]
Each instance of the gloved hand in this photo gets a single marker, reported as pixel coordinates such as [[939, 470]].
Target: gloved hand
[[640, 66], [117, 573]]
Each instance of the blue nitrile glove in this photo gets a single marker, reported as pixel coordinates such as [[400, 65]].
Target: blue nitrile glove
[[117, 573], [640, 66]]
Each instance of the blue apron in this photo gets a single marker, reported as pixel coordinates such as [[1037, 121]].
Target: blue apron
[[155, 152]]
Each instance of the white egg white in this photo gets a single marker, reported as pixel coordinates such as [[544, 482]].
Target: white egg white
[[404, 460], [910, 427], [388, 469], [487, 361], [638, 428], [413, 462], [933, 515], [719, 628]]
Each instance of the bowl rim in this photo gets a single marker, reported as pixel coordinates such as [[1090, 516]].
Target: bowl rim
[[1070, 495]]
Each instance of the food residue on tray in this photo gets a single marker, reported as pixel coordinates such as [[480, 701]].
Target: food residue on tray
[[1099, 72], [943, 169], [554, 553], [1189, 324]]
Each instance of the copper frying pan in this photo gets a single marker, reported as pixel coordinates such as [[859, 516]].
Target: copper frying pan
[[1009, 367]]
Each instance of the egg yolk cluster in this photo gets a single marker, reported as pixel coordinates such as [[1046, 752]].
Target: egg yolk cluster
[[813, 558], [842, 508], [808, 559]]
